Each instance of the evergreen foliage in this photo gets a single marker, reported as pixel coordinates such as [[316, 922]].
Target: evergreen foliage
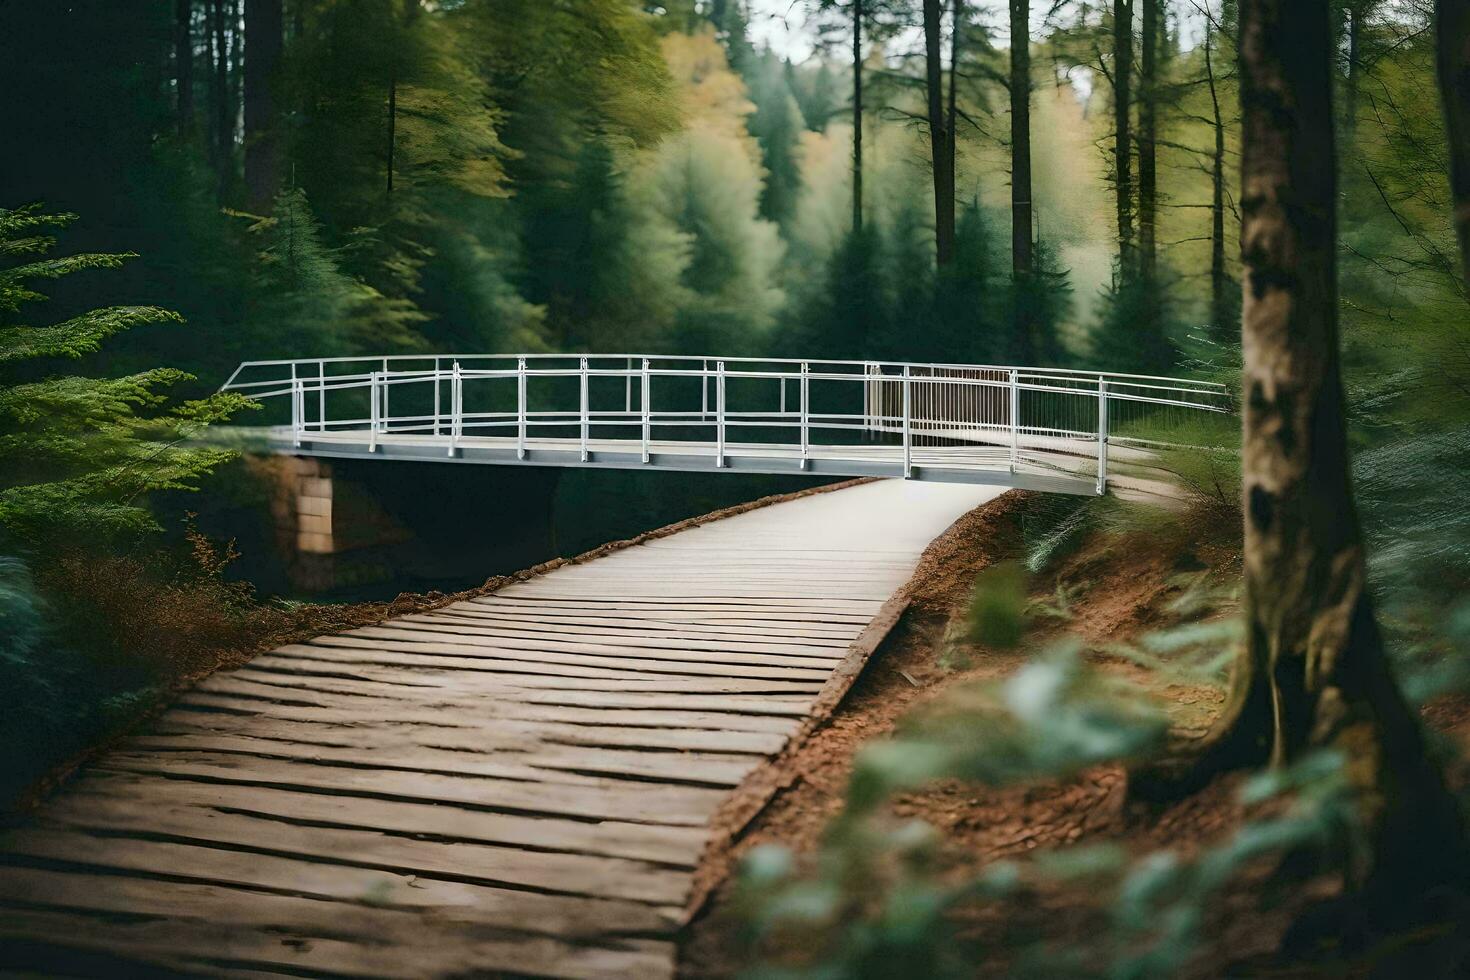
[[82, 453]]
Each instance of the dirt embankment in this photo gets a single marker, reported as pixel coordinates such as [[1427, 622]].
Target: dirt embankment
[[1114, 595]]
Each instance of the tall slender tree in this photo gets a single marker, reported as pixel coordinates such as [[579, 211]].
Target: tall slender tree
[[1148, 123], [1122, 72], [941, 149], [264, 25], [1020, 91], [1222, 302], [1315, 674], [184, 63], [857, 115], [1452, 31]]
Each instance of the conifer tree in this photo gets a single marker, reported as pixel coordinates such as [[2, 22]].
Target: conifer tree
[[81, 454]]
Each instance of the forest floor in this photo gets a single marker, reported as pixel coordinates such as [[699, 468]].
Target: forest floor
[[1110, 594]]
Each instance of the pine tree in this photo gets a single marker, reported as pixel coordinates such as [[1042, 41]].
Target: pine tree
[[81, 454]]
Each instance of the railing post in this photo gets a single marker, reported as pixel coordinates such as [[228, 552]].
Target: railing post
[[908, 438], [704, 390], [1015, 419], [383, 415], [719, 414], [806, 413], [647, 422], [298, 410], [628, 389], [586, 413], [373, 414], [437, 411], [1102, 435], [321, 396], [456, 409], [520, 408]]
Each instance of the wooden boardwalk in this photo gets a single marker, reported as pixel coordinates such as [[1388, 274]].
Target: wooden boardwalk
[[519, 783]]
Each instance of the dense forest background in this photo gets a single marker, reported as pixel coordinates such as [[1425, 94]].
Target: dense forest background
[[331, 177]]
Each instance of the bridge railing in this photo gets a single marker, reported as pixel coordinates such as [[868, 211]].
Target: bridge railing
[[976, 416]]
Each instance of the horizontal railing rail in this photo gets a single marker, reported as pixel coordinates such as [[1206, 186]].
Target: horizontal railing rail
[[934, 416]]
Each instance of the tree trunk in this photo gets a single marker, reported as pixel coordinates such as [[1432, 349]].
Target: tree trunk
[[184, 62], [1315, 673], [264, 24], [940, 151], [1020, 138], [223, 128], [1148, 108], [1122, 138], [857, 115], [1220, 315], [956, 38], [1452, 27]]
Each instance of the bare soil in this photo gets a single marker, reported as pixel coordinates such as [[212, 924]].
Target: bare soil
[[1118, 594]]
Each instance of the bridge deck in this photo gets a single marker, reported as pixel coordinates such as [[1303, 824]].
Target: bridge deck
[[521, 782], [1056, 465]]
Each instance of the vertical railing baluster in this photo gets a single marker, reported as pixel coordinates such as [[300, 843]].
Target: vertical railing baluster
[[1102, 435], [438, 412], [383, 416], [908, 449], [520, 408], [1015, 419], [647, 416], [321, 396], [586, 411], [372, 411], [298, 409], [704, 390], [719, 414], [456, 409], [806, 412]]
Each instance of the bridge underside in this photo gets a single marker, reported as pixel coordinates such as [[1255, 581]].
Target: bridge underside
[[1047, 468]]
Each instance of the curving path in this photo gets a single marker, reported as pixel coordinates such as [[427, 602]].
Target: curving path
[[521, 782]]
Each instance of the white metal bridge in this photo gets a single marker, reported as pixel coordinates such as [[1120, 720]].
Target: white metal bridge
[[1036, 428]]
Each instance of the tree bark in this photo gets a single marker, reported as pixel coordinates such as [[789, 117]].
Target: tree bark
[[223, 128], [956, 38], [940, 150], [1020, 87], [857, 115], [184, 62], [1148, 108], [1452, 29], [1220, 315], [1122, 138], [1315, 673], [264, 26]]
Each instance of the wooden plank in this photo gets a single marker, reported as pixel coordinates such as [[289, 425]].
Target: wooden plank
[[192, 948], [761, 735], [621, 628], [475, 685], [672, 711], [471, 647], [419, 631], [596, 876], [532, 661], [555, 767], [639, 803], [123, 801]]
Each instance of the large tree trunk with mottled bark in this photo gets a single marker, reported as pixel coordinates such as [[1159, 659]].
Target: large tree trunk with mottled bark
[[264, 37], [1020, 87], [940, 138], [1453, 30], [1315, 674], [1122, 127]]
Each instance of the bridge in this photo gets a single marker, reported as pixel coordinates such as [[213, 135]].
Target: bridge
[[524, 780], [1034, 428]]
